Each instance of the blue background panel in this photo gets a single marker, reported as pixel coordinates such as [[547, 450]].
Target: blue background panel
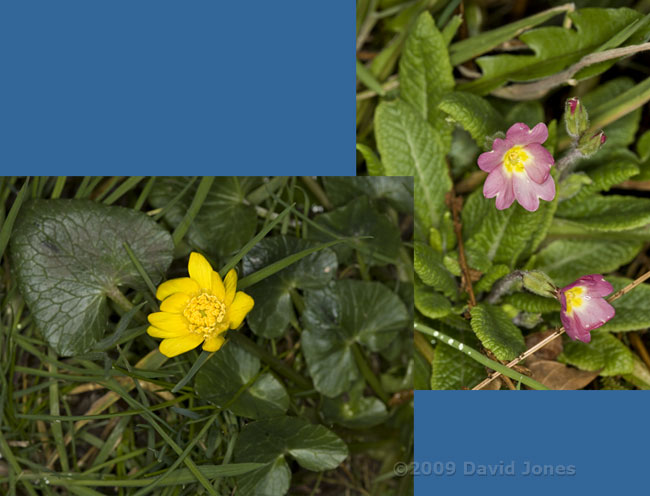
[[170, 87], [600, 433]]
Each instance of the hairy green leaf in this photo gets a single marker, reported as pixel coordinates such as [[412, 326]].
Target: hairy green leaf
[[425, 73], [504, 235], [493, 274], [410, 147], [608, 213], [555, 48], [567, 260], [453, 369], [533, 303], [632, 309], [69, 256], [372, 160], [474, 114], [429, 266], [431, 303], [497, 332], [604, 353]]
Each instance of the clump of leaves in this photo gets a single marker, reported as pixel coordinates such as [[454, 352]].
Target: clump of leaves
[[323, 362], [435, 90]]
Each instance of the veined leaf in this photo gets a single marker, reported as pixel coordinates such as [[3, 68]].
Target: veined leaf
[[429, 266], [555, 48], [270, 441], [474, 114], [430, 303], [567, 260], [533, 303], [453, 369], [425, 73], [632, 309], [494, 273], [504, 235], [410, 147], [372, 160], [69, 256], [609, 213], [467, 49], [604, 353], [233, 368], [497, 332]]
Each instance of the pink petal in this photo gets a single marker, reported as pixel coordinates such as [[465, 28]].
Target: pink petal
[[539, 164], [528, 192], [489, 161], [574, 327], [595, 284], [593, 313], [522, 135], [500, 185]]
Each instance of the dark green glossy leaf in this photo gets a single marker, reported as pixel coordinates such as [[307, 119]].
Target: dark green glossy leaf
[[344, 313], [273, 307], [270, 441], [224, 223], [230, 369], [359, 218], [396, 190], [353, 410], [69, 255]]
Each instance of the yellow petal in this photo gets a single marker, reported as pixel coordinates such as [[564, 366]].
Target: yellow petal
[[213, 343], [180, 285], [200, 270], [169, 321], [231, 286], [175, 346], [241, 305], [155, 332], [175, 303], [218, 289]]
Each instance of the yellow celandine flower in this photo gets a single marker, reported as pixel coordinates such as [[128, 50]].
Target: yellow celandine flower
[[198, 309]]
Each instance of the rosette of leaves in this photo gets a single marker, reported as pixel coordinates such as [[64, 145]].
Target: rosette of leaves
[[435, 125]]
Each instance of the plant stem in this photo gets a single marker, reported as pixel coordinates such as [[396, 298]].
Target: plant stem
[[368, 374]]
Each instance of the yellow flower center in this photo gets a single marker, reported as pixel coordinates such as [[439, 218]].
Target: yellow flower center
[[206, 314], [573, 298], [514, 159]]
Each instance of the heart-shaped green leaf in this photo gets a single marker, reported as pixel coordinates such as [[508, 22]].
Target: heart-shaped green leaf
[[340, 315], [230, 370], [354, 410], [224, 223], [269, 441], [69, 255], [359, 218], [273, 307]]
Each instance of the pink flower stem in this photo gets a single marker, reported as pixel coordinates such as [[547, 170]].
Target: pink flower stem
[[559, 332]]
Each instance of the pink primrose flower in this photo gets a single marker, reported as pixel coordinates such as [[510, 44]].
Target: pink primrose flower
[[519, 168], [583, 306]]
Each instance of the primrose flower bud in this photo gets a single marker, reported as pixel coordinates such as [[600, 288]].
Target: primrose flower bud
[[583, 306], [539, 283], [588, 145], [575, 118]]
